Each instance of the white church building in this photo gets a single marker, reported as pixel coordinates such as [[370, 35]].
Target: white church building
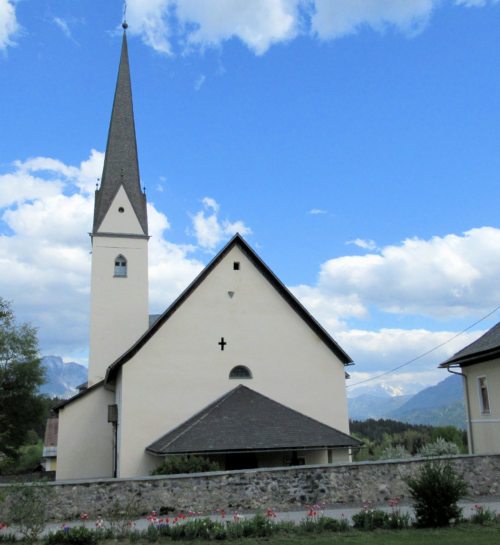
[[236, 369]]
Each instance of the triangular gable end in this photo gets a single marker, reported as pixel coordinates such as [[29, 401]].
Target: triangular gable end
[[293, 302]]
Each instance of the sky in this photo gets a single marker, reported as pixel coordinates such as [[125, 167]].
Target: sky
[[355, 144]]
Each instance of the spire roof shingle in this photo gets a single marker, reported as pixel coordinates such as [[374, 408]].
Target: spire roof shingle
[[121, 166]]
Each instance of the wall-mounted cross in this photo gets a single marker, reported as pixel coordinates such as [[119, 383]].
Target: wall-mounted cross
[[222, 343]]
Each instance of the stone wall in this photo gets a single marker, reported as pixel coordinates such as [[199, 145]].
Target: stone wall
[[246, 490]]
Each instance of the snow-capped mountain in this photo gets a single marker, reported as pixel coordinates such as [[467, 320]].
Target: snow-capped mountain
[[439, 405]]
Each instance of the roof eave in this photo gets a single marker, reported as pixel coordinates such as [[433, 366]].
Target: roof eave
[[472, 359], [256, 449]]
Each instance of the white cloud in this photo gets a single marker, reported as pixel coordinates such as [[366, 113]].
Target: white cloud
[[475, 3], [63, 25], [8, 24], [317, 211], [198, 84], [148, 18], [331, 311], [443, 277], [446, 276], [47, 208], [365, 244], [259, 24], [209, 230], [376, 352], [342, 17]]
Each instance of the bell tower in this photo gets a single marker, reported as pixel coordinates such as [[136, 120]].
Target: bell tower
[[119, 279]]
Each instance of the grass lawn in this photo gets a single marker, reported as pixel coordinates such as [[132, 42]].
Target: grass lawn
[[464, 535]]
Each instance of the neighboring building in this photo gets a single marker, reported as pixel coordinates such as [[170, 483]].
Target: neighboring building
[[235, 369], [49, 454], [480, 367]]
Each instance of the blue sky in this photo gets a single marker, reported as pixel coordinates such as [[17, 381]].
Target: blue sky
[[355, 144]]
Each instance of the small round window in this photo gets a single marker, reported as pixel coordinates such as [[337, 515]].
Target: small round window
[[239, 372], [121, 209]]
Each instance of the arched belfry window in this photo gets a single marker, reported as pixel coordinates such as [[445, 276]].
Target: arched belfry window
[[120, 265], [239, 372]]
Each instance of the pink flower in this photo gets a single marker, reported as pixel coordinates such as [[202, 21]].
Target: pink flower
[[270, 513]]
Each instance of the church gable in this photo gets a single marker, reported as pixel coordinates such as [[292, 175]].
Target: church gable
[[231, 270], [234, 325]]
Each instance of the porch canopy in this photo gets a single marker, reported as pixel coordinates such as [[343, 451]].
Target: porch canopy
[[245, 421]]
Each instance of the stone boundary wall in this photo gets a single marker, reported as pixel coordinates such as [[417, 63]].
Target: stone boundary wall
[[248, 490]]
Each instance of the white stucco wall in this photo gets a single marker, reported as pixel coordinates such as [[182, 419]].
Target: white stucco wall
[[485, 427], [119, 305], [182, 368], [85, 440]]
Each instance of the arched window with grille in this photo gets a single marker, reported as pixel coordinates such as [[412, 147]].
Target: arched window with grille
[[239, 372], [120, 265]]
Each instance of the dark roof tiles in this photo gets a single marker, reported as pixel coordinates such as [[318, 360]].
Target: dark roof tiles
[[121, 165], [485, 348], [245, 420]]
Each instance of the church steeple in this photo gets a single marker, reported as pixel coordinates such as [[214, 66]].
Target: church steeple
[[121, 165], [119, 284]]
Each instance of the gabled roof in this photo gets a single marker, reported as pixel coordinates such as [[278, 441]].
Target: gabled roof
[[244, 420], [238, 241], [485, 348], [51, 432], [121, 166]]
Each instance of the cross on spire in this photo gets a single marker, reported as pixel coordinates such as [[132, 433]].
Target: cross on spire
[[124, 22], [222, 343]]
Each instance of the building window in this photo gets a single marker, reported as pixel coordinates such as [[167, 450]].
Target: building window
[[236, 265], [483, 395], [120, 266], [240, 371]]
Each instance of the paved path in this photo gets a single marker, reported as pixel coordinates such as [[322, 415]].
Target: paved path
[[335, 511]]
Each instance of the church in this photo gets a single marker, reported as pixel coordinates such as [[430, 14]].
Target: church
[[235, 370]]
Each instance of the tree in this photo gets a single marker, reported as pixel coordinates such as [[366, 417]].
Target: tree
[[21, 374]]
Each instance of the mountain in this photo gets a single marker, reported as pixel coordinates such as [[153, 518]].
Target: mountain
[[439, 405], [374, 406], [62, 378]]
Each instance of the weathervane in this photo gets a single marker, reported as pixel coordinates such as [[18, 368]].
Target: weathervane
[[124, 23]]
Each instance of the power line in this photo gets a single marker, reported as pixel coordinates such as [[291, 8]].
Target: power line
[[427, 352]]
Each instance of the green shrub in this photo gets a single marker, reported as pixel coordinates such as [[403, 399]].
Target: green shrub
[[398, 520], [323, 524], [440, 447], [77, 535], [435, 492], [370, 519], [484, 516], [185, 464], [397, 452], [27, 509]]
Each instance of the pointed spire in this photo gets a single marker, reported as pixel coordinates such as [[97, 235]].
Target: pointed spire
[[121, 166]]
